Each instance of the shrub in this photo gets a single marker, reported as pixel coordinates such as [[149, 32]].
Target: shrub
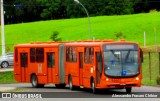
[[153, 11], [158, 80], [55, 37], [119, 35]]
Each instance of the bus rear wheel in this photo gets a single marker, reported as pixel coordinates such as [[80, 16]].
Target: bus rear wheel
[[128, 89], [34, 81]]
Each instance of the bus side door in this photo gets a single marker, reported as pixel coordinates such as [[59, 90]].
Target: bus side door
[[23, 65], [51, 73], [80, 68]]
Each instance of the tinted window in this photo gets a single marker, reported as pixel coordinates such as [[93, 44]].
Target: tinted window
[[71, 54], [88, 55], [50, 59], [39, 54], [32, 55]]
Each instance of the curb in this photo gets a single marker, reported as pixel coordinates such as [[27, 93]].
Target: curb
[[6, 70], [4, 89]]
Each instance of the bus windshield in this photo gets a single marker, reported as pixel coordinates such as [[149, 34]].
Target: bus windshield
[[121, 63]]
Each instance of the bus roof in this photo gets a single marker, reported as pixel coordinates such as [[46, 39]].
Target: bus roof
[[38, 44], [97, 43], [78, 43]]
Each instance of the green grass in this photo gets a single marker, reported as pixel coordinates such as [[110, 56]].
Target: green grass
[[102, 27], [7, 77], [150, 77]]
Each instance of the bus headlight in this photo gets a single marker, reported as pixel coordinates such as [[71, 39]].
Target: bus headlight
[[107, 79], [137, 78]]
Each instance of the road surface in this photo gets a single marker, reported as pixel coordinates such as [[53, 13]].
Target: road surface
[[51, 88], [82, 94], [10, 68]]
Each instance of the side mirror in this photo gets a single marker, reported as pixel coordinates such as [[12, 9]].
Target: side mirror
[[141, 55]]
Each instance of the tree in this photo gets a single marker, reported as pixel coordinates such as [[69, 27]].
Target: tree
[[118, 7], [74, 10], [141, 6], [53, 9], [54, 36]]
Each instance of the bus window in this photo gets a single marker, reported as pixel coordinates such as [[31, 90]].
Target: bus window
[[89, 55], [99, 62], [24, 60], [40, 54], [71, 54], [81, 60], [16, 55], [86, 55], [32, 55], [50, 60]]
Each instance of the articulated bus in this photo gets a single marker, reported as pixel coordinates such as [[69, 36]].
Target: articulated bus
[[87, 64]]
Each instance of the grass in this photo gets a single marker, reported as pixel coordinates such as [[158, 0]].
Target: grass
[[7, 77], [102, 27], [150, 77]]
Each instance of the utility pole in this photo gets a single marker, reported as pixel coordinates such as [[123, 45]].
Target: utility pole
[[2, 29], [144, 39], [89, 24]]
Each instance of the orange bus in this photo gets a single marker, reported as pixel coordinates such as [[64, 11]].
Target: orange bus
[[87, 64]]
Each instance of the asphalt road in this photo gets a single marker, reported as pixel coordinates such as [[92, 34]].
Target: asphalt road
[[27, 87], [83, 94], [80, 94]]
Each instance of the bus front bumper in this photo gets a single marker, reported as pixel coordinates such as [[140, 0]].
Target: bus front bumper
[[120, 83]]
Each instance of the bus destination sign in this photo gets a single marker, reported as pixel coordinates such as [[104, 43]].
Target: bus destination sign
[[107, 47]]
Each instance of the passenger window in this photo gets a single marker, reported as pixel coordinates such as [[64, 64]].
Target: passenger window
[[71, 54], [32, 55], [99, 61], [89, 55], [40, 54], [24, 60], [50, 60]]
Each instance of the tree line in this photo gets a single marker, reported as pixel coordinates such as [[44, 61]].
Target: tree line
[[18, 11]]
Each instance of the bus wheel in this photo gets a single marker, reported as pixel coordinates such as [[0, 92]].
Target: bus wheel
[[93, 87], [128, 89], [70, 83], [34, 81]]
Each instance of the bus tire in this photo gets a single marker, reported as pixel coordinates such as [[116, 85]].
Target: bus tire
[[34, 81], [94, 90], [71, 87], [128, 89]]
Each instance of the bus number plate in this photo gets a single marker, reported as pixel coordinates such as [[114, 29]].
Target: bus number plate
[[116, 80]]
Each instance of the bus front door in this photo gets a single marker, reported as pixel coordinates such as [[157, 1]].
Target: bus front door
[[24, 65], [98, 66]]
